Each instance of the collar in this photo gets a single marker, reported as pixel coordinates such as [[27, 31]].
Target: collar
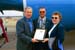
[[43, 18], [27, 19]]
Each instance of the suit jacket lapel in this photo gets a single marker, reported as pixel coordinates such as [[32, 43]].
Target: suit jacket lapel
[[26, 26], [46, 24]]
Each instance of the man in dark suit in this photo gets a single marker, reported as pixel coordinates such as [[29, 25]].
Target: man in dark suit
[[42, 23], [24, 31]]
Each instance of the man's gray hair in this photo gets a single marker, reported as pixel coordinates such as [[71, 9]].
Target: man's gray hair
[[27, 8]]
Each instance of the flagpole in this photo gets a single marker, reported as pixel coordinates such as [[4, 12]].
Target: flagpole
[[24, 4]]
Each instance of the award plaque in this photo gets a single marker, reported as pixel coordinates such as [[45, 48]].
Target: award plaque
[[39, 34]]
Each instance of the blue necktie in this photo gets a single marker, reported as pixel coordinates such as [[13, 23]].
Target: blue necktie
[[41, 23], [30, 24]]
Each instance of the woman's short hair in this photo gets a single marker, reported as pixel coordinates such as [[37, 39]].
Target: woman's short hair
[[57, 13]]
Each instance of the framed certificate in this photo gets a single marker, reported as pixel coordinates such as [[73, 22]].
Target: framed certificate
[[39, 34]]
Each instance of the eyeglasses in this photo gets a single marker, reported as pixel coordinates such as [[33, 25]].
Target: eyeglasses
[[42, 11], [54, 18]]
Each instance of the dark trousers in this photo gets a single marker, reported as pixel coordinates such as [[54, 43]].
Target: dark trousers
[[40, 46]]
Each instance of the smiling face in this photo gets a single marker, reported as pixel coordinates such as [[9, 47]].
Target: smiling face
[[56, 18], [42, 12], [28, 12]]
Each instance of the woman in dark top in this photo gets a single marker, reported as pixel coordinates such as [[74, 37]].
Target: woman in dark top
[[56, 32]]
